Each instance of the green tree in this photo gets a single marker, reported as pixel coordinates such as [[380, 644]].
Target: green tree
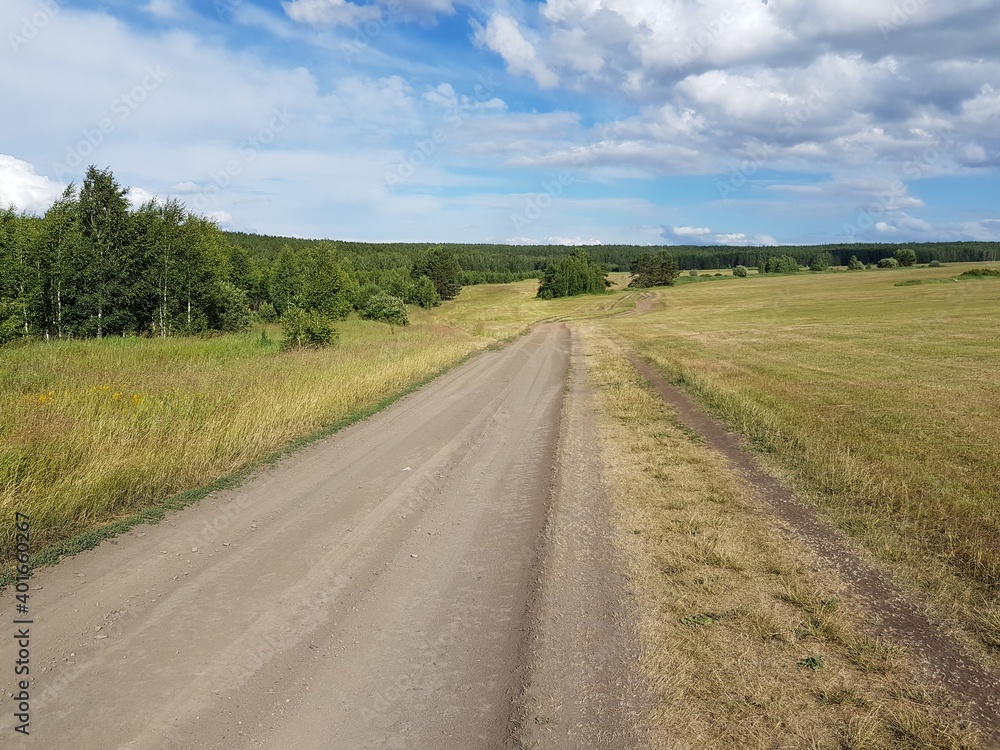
[[572, 275], [441, 267], [854, 264], [888, 263], [740, 272], [654, 270], [109, 267], [905, 256], [821, 262]]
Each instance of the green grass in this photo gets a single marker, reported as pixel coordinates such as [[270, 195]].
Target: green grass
[[880, 402], [96, 436]]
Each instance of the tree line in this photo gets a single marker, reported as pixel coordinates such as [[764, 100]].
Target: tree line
[[92, 266]]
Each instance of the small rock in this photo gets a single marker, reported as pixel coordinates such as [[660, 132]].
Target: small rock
[[413, 556]]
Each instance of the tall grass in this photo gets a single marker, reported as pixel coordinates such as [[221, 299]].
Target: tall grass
[[882, 401], [92, 432]]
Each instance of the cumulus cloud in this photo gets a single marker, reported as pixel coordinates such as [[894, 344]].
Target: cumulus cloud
[[23, 188], [329, 12], [503, 36], [687, 235]]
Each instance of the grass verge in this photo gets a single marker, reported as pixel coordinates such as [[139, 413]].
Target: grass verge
[[747, 642]]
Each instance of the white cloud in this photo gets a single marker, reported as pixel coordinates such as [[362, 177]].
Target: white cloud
[[686, 235], [329, 12], [503, 36], [21, 187]]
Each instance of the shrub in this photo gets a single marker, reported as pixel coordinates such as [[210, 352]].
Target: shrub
[[821, 262], [854, 264], [718, 274], [424, 293], [905, 256], [692, 272], [981, 273], [935, 264], [266, 313], [782, 264], [740, 272], [888, 263], [307, 330], [386, 308]]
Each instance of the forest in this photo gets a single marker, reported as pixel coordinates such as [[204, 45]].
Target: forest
[[93, 265]]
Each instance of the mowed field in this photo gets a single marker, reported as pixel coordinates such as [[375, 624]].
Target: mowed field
[[880, 403]]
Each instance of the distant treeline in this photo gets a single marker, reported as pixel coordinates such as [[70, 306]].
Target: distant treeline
[[489, 263]]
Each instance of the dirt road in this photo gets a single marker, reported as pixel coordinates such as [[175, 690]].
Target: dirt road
[[375, 590]]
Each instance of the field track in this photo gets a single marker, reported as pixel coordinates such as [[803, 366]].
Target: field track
[[373, 590]]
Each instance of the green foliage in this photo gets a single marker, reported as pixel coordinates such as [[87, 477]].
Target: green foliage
[[307, 329], [441, 267], [386, 308], [232, 309], [740, 272], [888, 263], [935, 263], [424, 293], [654, 270], [854, 264], [11, 322], [980, 273], [821, 262], [572, 275], [266, 313], [693, 273], [905, 256], [780, 264]]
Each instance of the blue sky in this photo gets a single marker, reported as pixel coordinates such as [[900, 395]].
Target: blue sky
[[708, 122]]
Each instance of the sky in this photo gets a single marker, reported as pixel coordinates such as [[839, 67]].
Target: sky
[[650, 122]]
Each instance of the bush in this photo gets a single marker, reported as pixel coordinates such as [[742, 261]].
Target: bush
[[387, 309], [424, 293], [821, 262], [888, 263], [718, 274], [935, 264], [854, 264], [905, 256], [692, 273], [740, 272], [266, 313], [981, 273], [307, 330], [782, 264]]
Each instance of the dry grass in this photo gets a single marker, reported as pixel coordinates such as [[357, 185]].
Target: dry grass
[[95, 431], [881, 403], [747, 642]]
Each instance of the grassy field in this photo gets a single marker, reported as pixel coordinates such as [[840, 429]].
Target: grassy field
[[880, 402], [745, 643], [99, 432]]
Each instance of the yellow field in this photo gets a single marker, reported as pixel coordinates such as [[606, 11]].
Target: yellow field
[[879, 402]]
